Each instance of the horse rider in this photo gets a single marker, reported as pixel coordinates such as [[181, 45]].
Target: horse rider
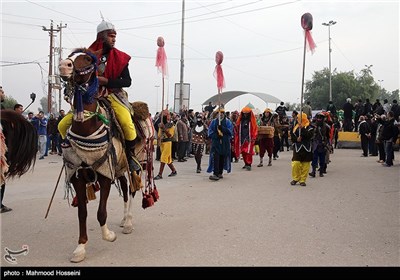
[[113, 75]]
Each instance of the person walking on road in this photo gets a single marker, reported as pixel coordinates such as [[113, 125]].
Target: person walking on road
[[220, 132], [301, 136]]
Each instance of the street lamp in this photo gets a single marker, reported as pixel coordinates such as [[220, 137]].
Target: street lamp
[[369, 67], [331, 22]]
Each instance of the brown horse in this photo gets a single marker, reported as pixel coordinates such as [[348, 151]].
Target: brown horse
[[96, 157], [19, 145]]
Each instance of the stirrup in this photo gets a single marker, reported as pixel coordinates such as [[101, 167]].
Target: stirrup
[[134, 165]]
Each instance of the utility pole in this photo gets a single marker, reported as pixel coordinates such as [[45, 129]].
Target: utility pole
[[60, 27], [50, 79], [331, 22], [182, 59]]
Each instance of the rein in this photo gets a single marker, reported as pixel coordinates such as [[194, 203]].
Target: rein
[[89, 114]]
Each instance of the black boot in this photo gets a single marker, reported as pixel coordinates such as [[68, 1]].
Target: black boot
[[312, 174], [324, 169], [129, 145]]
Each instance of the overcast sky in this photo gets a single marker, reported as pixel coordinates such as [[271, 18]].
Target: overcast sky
[[262, 43]]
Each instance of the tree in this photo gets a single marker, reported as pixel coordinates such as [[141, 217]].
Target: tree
[[9, 102], [344, 85]]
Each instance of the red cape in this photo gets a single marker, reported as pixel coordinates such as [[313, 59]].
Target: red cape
[[116, 61]]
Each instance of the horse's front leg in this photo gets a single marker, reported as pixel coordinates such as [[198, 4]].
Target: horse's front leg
[[127, 220], [105, 185], [79, 253]]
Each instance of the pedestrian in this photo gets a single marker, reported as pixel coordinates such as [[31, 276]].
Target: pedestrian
[[348, 115], [389, 135], [301, 136], [18, 108], [364, 131], [308, 110], [266, 137], [246, 136], [40, 123], [220, 132], [209, 109], [199, 137], [331, 108], [320, 141], [166, 130]]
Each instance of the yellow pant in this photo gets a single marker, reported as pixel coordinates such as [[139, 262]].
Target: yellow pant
[[300, 170], [121, 112]]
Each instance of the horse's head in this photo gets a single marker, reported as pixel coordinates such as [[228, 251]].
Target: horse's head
[[79, 66], [79, 70]]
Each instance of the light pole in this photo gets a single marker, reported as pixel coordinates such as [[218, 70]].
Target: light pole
[[331, 22], [369, 68]]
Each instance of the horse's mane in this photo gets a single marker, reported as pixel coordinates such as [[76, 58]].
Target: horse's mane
[[88, 51], [22, 143]]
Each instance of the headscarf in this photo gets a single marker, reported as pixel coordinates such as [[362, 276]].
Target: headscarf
[[116, 61], [253, 121], [304, 121]]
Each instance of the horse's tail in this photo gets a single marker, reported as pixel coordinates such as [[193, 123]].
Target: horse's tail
[[22, 143]]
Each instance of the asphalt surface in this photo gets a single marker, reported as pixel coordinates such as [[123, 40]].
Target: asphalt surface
[[350, 217]]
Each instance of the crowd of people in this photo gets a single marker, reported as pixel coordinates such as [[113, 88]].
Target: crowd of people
[[227, 136], [377, 125]]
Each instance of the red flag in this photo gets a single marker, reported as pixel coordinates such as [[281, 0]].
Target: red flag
[[218, 73], [161, 60], [307, 24]]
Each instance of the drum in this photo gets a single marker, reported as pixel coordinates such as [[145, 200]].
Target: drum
[[266, 131]]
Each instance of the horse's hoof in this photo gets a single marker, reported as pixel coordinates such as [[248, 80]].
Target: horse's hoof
[[122, 222], [79, 254], [127, 229], [110, 236]]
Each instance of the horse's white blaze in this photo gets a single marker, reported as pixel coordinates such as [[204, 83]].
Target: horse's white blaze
[[66, 68]]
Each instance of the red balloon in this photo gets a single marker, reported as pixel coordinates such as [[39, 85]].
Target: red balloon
[[307, 21], [219, 57], [160, 42]]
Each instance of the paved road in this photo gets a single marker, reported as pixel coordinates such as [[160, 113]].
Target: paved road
[[348, 218]]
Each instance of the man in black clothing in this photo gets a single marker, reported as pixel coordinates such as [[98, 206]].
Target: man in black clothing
[[359, 109], [331, 108], [348, 115], [210, 108], [390, 133], [367, 107], [281, 110], [396, 110], [365, 133]]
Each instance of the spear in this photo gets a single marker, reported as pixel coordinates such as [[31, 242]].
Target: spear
[[306, 24], [219, 74], [161, 63]]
